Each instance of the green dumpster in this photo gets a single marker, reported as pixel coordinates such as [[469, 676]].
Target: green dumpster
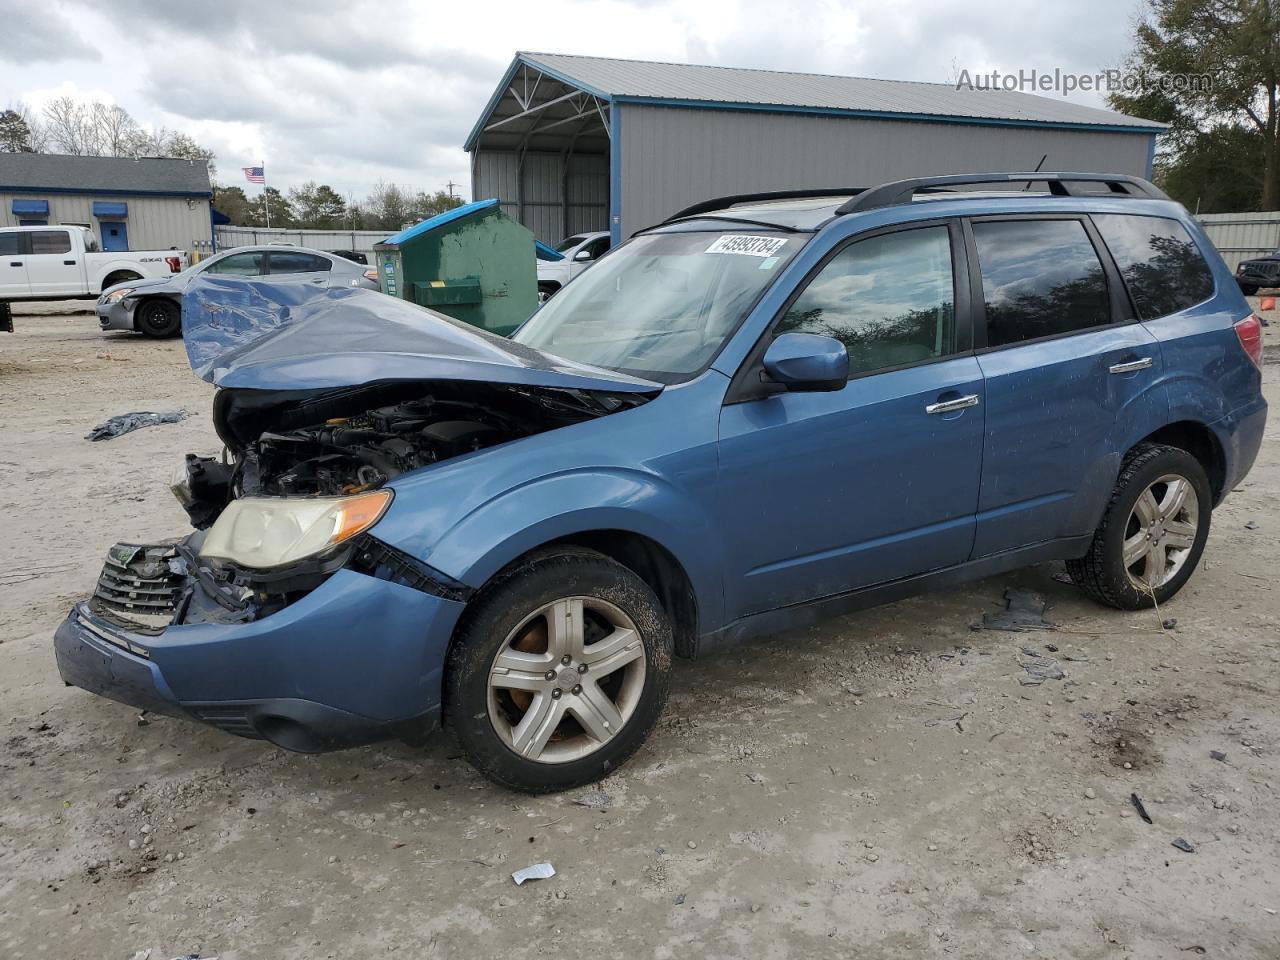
[[473, 263]]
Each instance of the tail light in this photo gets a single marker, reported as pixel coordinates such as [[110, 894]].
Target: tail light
[[1249, 330], [175, 264], [371, 274]]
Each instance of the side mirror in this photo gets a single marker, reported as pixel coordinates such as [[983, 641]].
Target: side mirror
[[807, 361], [582, 255]]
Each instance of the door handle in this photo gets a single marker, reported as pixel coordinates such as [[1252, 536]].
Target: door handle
[[1130, 366], [949, 406], [15, 263], [68, 263]]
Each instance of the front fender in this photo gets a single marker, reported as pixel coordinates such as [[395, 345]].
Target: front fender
[[556, 506]]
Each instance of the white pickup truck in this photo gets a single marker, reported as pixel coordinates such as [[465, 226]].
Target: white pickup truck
[[62, 263]]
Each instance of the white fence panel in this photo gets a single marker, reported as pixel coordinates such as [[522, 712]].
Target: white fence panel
[[359, 240]]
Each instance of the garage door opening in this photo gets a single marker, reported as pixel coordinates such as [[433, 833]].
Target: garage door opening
[[542, 146]]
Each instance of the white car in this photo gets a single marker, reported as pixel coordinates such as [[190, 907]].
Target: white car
[[64, 262], [579, 252]]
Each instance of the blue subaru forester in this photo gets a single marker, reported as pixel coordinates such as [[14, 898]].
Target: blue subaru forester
[[767, 409]]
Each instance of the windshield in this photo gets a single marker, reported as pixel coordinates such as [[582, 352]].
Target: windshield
[[661, 306], [568, 243]]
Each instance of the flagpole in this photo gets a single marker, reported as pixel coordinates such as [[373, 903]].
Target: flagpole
[[266, 201]]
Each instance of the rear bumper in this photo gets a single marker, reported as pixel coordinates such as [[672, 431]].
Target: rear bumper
[[1240, 433], [358, 659]]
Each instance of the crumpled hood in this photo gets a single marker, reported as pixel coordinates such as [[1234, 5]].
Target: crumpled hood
[[294, 335], [149, 283]]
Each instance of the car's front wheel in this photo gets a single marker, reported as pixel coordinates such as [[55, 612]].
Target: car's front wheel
[[1248, 289], [559, 671], [157, 318], [1152, 533]]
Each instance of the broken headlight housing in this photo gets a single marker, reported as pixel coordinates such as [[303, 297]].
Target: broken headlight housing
[[266, 532], [117, 295]]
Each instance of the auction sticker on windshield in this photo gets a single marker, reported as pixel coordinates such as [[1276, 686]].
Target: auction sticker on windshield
[[746, 245]]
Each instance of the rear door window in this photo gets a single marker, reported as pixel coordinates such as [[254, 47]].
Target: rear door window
[[889, 299], [238, 264], [1160, 263], [9, 244], [288, 262], [50, 241], [1040, 278]]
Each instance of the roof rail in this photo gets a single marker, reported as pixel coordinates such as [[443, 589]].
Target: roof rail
[[722, 203], [901, 191]]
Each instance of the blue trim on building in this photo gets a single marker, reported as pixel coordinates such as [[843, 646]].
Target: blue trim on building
[[440, 219], [884, 115], [26, 208], [615, 173], [110, 208], [1151, 157], [207, 195]]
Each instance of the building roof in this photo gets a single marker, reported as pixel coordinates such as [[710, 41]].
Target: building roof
[[676, 83], [60, 173]]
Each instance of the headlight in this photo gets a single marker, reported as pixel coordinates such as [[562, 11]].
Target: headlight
[[117, 295], [263, 532]]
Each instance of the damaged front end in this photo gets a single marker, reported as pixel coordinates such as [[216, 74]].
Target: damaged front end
[[283, 615]]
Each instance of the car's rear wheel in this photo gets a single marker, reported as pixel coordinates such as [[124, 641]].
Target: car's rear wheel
[[1153, 531], [559, 671], [157, 318]]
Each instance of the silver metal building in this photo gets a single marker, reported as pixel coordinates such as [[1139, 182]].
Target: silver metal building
[[146, 204], [571, 144]]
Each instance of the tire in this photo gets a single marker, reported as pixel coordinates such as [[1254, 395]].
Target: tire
[[546, 291], [1161, 565], [1248, 289], [158, 318], [507, 628]]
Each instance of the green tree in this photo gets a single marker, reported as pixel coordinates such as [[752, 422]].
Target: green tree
[[274, 201], [427, 205], [1236, 45], [233, 202], [388, 207], [318, 207], [1218, 170], [15, 133]]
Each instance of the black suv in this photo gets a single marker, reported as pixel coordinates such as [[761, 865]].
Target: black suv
[[1262, 272]]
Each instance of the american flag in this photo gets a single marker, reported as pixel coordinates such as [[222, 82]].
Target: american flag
[[255, 174]]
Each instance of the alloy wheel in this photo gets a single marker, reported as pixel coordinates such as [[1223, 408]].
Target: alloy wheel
[[566, 680], [1161, 531]]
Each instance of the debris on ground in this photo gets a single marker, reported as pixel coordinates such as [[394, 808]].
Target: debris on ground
[[1039, 667], [1251, 525], [1170, 624], [679, 899], [595, 800], [1137, 804], [1184, 846], [128, 422], [1024, 611], [1218, 755], [535, 871]]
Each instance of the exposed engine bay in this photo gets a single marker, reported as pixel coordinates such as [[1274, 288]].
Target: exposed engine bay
[[318, 446]]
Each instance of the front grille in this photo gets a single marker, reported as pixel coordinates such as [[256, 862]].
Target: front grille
[[140, 579]]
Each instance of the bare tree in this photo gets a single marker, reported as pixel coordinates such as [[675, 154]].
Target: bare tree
[[70, 127], [114, 130]]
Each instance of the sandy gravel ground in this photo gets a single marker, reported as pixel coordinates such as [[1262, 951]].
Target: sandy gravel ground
[[881, 786]]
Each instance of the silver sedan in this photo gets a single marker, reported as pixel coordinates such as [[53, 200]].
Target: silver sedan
[[154, 307]]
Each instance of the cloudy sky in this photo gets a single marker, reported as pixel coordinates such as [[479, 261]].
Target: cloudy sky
[[346, 93]]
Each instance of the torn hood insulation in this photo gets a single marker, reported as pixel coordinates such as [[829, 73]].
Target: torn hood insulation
[[287, 335]]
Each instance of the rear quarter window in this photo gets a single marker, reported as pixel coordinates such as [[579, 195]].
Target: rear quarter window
[[1160, 263]]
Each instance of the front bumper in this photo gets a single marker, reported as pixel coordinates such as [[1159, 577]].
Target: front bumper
[[357, 659], [117, 315]]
